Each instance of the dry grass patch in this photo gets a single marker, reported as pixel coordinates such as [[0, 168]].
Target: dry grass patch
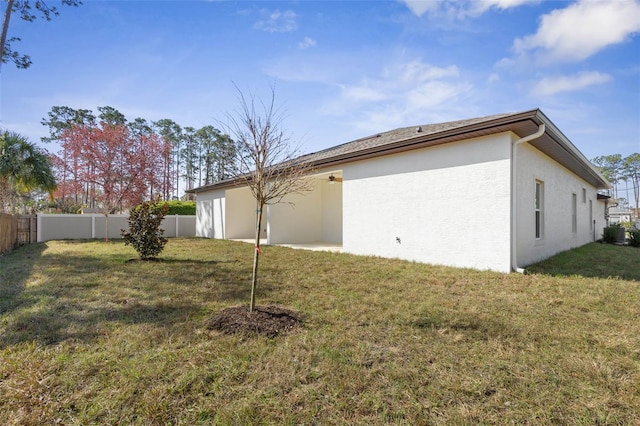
[[87, 338]]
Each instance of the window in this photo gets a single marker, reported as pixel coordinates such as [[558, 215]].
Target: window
[[584, 196], [539, 209], [591, 215], [574, 213]]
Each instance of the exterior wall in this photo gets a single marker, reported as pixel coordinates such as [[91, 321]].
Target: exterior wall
[[240, 215], [314, 217], [210, 214], [92, 226], [400, 205], [558, 186], [297, 220], [331, 212]]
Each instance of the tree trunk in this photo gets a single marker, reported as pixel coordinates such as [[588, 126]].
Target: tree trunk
[[256, 257], [5, 194], [5, 28]]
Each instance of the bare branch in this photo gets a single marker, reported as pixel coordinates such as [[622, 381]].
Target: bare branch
[[268, 165]]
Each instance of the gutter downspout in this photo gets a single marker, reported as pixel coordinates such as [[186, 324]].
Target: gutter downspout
[[514, 227]]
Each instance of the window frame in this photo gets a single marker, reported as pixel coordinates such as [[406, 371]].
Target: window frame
[[574, 213], [538, 205]]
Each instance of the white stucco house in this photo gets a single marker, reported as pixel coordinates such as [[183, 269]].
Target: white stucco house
[[521, 191], [620, 214]]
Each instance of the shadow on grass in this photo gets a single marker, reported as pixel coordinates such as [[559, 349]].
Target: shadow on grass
[[81, 296], [15, 269], [593, 260], [481, 328], [59, 323]]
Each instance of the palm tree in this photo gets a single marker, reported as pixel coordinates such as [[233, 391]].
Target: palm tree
[[23, 167]]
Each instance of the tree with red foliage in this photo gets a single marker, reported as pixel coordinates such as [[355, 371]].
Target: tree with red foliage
[[108, 166]]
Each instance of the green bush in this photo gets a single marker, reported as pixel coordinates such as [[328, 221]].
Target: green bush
[[634, 238], [610, 234], [144, 233], [182, 207]]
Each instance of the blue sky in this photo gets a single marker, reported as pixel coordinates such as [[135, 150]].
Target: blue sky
[[342, 70]]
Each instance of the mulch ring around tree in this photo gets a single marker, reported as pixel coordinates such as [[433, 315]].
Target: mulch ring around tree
[[270, 321]]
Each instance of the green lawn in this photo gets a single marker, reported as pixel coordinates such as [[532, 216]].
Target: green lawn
[[87, 338]]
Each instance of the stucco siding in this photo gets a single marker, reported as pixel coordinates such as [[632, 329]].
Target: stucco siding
[[297, 220], [331, 212], [558, 186], [210, 217], [315, 216], [448, 204], [240, 214]]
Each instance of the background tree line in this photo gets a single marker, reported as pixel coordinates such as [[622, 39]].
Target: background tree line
[[624, 174], [108, 162]]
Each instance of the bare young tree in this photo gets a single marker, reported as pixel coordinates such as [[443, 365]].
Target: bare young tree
[[267, 162]]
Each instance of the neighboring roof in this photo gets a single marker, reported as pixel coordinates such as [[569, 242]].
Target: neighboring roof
[[553, 143]]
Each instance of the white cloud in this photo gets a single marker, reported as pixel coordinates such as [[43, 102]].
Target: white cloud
[[402, 94], [277, 22], [362, 94], [400, 80], [479, 7], [459, 9], [552, 85], [582, 29], [306, 43], [503, 4], [420, 7]]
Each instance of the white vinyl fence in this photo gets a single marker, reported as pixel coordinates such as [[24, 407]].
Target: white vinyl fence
[[92, 226]]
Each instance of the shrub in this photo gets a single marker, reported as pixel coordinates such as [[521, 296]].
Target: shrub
[[627, 224], [610, 234], [144, 232], [182, 207], [634, 238]]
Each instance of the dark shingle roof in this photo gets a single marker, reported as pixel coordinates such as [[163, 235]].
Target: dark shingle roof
[[404, 134], [553, 143]]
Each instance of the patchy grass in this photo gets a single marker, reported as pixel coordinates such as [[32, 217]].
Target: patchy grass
[[594, 260], [87, 338]]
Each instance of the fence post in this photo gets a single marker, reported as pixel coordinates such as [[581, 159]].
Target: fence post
[[39, 228]]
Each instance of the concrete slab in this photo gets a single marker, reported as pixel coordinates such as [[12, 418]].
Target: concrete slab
[[319, 246]]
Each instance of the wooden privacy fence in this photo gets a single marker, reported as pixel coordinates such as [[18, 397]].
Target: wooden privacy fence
[[16, 230], [8, 232], [27, 229]]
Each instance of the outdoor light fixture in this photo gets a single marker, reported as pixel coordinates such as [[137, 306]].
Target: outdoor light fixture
[[333, 179]]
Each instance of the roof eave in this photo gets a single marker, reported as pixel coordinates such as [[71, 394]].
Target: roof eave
[[570, 157]]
